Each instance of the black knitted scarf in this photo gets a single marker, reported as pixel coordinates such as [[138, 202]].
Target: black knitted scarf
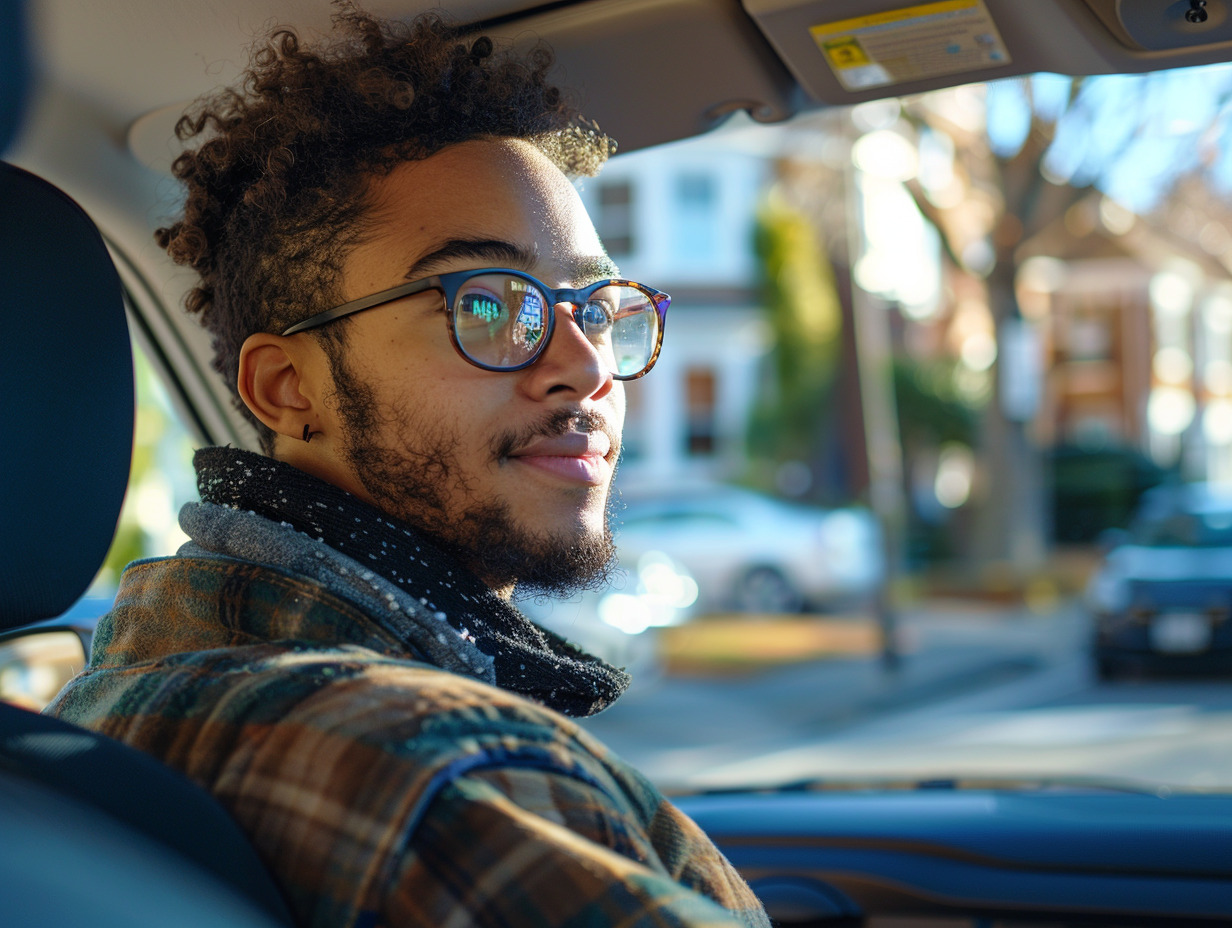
[[527, 659]]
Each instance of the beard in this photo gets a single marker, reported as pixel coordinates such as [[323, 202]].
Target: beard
[[417, 478]]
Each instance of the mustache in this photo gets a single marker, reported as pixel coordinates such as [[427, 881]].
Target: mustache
[[553, 425]]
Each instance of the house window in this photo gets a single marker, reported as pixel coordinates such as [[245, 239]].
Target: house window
[[695, 192], [696, 197], [614, 220], [700, 396]]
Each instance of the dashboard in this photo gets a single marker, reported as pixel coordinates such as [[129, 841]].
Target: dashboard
[[935, 858]]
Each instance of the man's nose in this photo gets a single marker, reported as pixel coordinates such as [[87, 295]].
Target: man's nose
[[571, 363]]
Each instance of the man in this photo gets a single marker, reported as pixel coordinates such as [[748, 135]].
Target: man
[[417, 314]]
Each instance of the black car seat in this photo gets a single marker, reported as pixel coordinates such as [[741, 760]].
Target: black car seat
[[94, 833]]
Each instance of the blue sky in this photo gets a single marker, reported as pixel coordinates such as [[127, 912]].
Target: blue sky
[[1131, 135]]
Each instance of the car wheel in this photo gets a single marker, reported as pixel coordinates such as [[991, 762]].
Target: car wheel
[[765, 590]]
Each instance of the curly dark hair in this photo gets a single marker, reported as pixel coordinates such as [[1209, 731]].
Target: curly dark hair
[[277, 189]]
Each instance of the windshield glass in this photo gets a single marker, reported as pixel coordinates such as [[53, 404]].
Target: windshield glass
[[942, 345]]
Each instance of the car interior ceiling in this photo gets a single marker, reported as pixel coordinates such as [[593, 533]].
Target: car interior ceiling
[[96, 76]]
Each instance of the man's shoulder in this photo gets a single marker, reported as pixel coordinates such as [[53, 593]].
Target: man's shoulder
[[426, 715], [220, 586], [214, 610], [230, 614], [426, 728], [248, 644]]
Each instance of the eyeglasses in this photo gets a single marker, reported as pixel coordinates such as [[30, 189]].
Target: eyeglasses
[[502, 320]]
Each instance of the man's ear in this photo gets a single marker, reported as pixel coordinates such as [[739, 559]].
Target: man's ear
[[276, 384]]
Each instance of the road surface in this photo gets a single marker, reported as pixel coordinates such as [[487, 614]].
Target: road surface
[[1001, 694]]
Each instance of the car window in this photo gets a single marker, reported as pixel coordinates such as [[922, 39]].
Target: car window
[[1186, 529], [160, 482]]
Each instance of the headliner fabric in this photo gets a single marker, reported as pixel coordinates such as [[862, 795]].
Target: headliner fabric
[[66, 399]]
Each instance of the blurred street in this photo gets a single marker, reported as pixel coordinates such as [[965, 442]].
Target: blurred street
[[981, 691]]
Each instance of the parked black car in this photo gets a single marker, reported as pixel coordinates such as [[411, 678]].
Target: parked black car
[[1163, 597]]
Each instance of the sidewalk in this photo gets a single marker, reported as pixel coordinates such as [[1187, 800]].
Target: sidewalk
[[671, 725]]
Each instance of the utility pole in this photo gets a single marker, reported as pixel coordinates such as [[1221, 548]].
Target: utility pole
[[875, 366]]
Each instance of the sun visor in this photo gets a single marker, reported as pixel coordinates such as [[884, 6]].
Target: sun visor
[[847, 51], [841, 50], [651, 71]]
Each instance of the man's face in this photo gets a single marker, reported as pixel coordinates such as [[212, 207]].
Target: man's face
[[512, 470]]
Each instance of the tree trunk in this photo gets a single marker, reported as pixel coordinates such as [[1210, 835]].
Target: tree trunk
[[1012, 521]]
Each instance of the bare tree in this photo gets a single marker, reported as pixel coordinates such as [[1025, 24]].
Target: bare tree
[[1044, 143]]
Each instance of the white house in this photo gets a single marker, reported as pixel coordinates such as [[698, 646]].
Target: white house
[[681, 219]]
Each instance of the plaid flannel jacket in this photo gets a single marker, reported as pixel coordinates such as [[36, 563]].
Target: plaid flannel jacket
[[379, 789]]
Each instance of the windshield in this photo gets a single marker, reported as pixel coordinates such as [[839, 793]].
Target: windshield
[[1186, 530], [1186, 516], [923, 354], [949, 341]]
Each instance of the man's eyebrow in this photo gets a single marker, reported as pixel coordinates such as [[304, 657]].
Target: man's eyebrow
[[596, 267], [501, 253], [511, 255]]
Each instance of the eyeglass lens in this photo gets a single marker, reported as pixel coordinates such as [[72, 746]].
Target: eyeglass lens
[[500, 321]]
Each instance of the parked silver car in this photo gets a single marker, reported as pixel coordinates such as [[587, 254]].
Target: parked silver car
[[753, 553]]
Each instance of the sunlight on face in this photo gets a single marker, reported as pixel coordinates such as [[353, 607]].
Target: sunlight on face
[[514, 469]]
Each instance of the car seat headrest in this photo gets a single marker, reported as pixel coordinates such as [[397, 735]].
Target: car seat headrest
[[66, 391]]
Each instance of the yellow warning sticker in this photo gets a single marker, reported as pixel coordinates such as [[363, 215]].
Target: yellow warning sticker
[[846, 52], [913, 43]]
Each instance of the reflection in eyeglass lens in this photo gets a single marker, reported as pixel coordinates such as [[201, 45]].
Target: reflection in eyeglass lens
[[502, 321], [484, 308], [529, 326]]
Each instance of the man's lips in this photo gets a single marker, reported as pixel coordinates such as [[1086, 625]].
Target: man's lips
[[569, 445], [575, 456]]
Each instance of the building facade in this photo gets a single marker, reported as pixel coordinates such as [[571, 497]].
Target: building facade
[[681, 218]]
